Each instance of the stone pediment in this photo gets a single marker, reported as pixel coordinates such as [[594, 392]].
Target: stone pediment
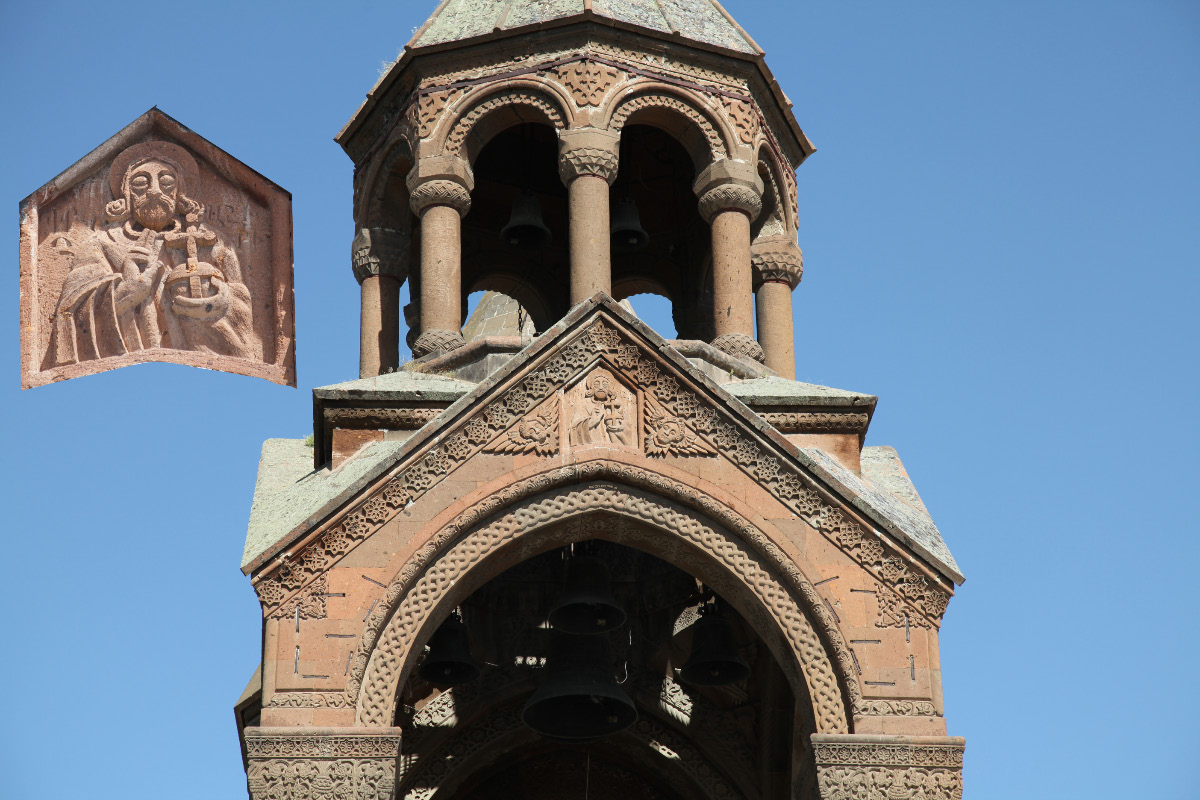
[[157, 247], [602, 380]]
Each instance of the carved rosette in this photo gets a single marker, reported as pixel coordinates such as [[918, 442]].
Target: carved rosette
[[380, 251], [587, 81], [730, 197], [816, 422], [437, 341], [779, 260], [312, 765], [535, 433], [850, 767], [739, 345], [440, 193]]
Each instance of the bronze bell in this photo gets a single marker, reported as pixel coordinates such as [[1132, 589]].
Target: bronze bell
[[714, 660], [587, 604], [449, 661], [627, 232], [525, 229], [579, 699]]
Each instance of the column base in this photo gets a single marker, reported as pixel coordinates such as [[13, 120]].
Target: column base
[[437, 341], [311, 764], [739, 345], [893, 767]]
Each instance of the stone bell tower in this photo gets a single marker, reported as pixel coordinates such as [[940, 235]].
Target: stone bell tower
[[566, 556]]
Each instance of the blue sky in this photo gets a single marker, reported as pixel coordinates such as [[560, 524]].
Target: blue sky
[[1000, 226]]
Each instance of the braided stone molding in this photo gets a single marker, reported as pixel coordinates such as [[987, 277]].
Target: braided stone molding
[[579, 161], [883, 768], [739, 345], [595, 344], [440, 193], [816, 422], [396, 419], [379, 251], [426, 581], [777, 261], [514, 97], [626, 109], [730, 197], [321, 765], [437, 341], [504, 730]]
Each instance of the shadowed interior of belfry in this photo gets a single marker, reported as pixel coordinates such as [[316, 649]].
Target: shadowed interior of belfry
[[556, 554]]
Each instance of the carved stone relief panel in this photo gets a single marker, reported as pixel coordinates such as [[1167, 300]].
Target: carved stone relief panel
[[601, 410], [156, 246]]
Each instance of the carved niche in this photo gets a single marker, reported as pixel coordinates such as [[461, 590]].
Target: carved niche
[[603, 410], [157, 246]]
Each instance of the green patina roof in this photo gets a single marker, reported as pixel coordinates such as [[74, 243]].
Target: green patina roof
[[702, 21]]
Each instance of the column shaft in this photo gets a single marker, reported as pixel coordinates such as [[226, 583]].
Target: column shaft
[[591, 261], [379, 334], [733, 302], [441, 270], [774, 309]]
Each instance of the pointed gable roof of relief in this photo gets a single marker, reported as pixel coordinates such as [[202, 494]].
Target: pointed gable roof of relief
[[685, 412], [701, 22]]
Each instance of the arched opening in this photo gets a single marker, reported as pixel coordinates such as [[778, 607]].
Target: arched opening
[[521, 160], [656, 174], [738, 739]]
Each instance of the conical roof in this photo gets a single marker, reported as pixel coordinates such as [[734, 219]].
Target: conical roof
[[700, 21]]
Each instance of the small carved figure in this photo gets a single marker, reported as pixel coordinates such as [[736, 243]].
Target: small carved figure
[[601, 418], [158, 277]]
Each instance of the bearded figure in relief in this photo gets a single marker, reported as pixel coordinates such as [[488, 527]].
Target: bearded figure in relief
[[157, 277]]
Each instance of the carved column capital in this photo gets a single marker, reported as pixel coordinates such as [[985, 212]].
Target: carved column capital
[[728, 185], [588, 151], [440, 181], [312, 763], [380, 251], [912, 766], [777, 259]]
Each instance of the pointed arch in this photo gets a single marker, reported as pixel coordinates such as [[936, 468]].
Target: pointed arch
[[669, 520]]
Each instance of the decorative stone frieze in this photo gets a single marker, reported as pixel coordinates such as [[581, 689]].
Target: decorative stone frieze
[[587, 81], [396, 419], [816, 422], [856, 767], [380, 251], [319, 764]]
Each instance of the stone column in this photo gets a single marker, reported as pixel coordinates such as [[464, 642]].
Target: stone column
[[730, 195], [440, 196], [587, 164], [380, 262], [778, 266], [317, 763], [857, 765]]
